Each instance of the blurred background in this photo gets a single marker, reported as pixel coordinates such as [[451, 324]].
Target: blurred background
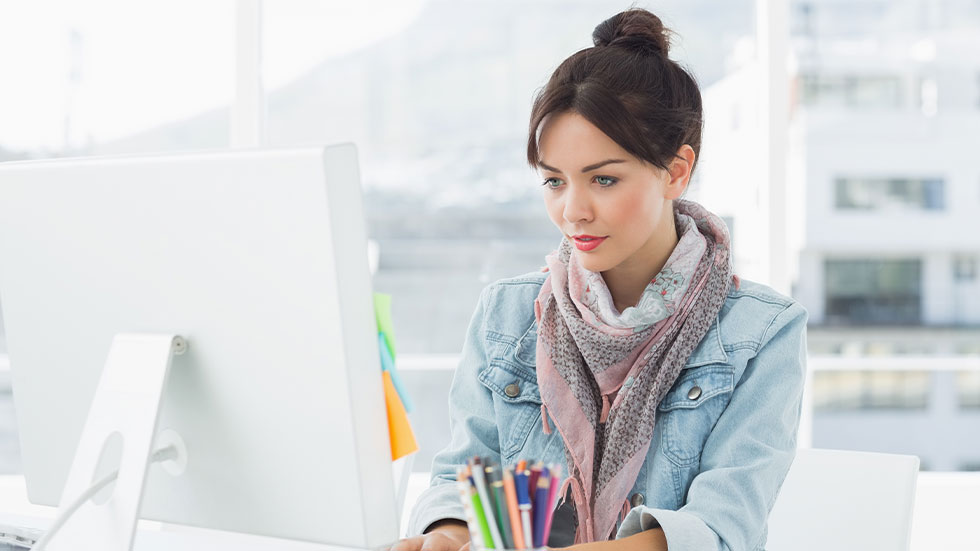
[[840, 148]]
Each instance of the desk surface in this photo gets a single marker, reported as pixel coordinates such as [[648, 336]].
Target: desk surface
[[16, 510]]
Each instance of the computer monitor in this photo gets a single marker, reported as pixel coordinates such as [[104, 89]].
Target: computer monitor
[[257, 259]]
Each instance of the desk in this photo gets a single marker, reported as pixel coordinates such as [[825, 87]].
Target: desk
[[16, 510]]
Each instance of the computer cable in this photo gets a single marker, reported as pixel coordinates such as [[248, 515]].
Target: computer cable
[[163, 454]]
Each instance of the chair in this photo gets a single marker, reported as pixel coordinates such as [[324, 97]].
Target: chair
[[844, 500]]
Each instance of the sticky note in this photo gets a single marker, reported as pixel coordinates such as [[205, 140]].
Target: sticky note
[[382, 313], [388, 365], [399, 430]]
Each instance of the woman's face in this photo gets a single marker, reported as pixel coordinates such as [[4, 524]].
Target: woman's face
[[613, 207]]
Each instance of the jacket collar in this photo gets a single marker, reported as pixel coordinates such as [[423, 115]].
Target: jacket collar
[[710, 350]]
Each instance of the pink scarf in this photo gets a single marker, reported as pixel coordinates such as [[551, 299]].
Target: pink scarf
[[602, 373]]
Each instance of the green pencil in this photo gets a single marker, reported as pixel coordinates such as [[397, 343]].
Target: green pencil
[[481, 518], [503, 516]]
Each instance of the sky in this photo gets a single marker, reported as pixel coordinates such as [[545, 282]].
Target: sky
[[138, 64]]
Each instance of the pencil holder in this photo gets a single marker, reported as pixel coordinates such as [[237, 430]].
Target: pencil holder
[[508, 508]]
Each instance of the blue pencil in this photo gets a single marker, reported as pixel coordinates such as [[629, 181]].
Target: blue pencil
[[541, 506]]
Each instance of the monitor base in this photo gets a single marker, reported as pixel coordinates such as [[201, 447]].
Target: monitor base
[[119, 434]]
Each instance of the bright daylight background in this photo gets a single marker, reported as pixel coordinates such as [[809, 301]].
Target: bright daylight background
[[882, 193]]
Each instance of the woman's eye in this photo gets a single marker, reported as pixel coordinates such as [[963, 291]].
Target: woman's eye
[[605, 181], [551, 182]]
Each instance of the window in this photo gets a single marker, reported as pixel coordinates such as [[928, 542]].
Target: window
[[859, 390], [968, 389], [438, 102], [972, 465], [852, 91], [77, 83], [965, 268], [873, 292], [730, 223], [890, 194]]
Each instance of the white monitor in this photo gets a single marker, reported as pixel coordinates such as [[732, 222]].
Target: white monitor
[[257, 259]]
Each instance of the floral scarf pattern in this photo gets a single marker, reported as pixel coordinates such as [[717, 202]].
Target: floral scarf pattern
[[602, 372]]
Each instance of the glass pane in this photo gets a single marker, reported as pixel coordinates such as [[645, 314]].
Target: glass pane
[[869, 390], [884, 292], [109, 76], [437, 96], [883, 194], [968, 389], [106, 77]]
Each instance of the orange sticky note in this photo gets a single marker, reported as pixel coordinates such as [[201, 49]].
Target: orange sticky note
[[402, 438]]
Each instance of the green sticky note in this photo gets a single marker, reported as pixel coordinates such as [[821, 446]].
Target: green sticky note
[[382, 312]]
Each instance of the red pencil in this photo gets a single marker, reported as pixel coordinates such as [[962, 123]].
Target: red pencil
[[552, 499]]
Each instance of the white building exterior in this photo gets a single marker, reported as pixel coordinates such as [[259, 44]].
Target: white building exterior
[[889, 149], [883, 180], [883, 210]]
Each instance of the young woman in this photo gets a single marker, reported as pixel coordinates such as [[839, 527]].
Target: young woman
[[668, 390]]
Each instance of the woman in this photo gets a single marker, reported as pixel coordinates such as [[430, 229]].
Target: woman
[[668, 390]]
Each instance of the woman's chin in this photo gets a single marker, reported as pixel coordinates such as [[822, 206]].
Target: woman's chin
[[592, 262]]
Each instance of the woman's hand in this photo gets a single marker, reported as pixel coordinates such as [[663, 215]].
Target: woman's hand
[[445, 535]]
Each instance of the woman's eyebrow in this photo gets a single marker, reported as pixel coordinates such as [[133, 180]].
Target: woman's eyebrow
[[589, 168]]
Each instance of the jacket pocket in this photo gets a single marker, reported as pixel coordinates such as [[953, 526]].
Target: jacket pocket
[[691, 408], [516, 403]]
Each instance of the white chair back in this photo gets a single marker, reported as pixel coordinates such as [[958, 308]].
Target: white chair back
[[845, 500]]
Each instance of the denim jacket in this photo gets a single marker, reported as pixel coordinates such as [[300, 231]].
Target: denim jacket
[[717, 458]]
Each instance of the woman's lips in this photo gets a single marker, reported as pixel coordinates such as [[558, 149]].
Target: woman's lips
[[587, 243]]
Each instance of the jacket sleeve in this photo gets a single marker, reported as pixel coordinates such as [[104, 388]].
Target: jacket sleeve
[[472, 426], [746, 456]]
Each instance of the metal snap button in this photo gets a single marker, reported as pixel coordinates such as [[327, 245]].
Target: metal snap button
[[694, 393], [512, 390], [636, 500]]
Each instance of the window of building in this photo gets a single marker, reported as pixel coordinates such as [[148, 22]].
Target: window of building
[[972, 465], [873, 292], [928, 96], [852, 91], [860, 390], [730, 222], [978, 90], [965, 268], [968, 389], [890, 193]]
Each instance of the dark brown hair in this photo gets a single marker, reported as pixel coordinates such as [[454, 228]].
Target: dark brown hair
[[628, 88]]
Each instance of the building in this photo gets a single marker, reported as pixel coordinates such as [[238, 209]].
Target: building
[[883, 206]]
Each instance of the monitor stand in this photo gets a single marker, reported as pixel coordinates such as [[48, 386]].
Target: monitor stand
[[119, 434]]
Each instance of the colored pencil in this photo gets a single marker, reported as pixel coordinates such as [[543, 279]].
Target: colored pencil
[[541, 506], [532, 481], [510, 493], [503, 519], [465, 493], [481, 489], [524, 504], [481, 518], [552, 499]]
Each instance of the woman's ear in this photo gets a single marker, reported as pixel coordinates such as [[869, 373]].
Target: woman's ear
[[680, 172]]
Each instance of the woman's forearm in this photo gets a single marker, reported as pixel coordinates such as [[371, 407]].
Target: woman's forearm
[[647, 540]]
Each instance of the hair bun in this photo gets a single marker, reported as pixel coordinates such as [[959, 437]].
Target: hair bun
[[635, 29]]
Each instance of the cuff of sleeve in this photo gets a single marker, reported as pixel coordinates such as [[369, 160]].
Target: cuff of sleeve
[[684, 531], [436, 503]]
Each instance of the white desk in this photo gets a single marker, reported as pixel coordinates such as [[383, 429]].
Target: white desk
[[16, 510]]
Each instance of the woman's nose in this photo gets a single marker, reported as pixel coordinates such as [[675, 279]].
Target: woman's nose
[[578, 205]]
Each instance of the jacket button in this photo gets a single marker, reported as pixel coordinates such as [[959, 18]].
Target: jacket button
[[512, 390], [636, 500], [694, 393]]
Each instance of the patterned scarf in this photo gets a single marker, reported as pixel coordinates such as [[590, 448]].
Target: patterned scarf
[[602, 373]]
